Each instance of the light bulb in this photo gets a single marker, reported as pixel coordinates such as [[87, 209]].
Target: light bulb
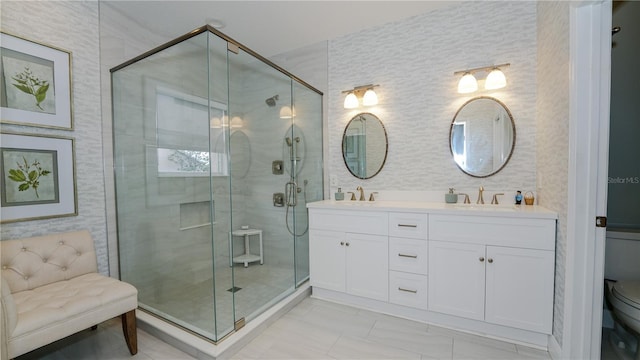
[[236, 122], [215, 123], [495, 80], [287, 113], [351, 101], [467, 84], [370, 98]]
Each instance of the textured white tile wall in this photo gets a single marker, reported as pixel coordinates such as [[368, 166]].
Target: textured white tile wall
[[73, 26], [413, 60], [553, 132]]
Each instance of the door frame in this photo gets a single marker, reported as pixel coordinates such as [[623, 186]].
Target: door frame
[[590, 64]]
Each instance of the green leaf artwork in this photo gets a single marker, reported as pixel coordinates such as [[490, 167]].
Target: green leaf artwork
[[32, 85], [28, 175]]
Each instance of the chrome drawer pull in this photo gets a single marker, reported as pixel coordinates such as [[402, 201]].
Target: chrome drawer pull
[[409, 256], [407, 225], [407, 290]]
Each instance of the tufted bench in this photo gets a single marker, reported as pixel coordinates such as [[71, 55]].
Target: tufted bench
[[51, 289]]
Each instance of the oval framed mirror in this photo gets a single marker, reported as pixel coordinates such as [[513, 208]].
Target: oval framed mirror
[[364, 145], [482, 136]]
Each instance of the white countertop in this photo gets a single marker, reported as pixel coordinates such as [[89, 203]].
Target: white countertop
[[507, 210]]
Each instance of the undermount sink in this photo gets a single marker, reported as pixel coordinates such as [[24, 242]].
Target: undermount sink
[[486, 207], [356, 202]]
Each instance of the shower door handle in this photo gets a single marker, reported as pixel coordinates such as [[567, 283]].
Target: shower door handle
[[291, 193]]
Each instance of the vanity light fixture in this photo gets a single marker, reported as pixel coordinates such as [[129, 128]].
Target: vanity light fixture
[[495, 79], [369, 98], [366, 92], [219, 123], [236, 122], [467, 84], [287, 112]]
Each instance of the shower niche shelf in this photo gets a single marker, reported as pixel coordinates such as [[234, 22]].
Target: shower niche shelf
[[195, 215]]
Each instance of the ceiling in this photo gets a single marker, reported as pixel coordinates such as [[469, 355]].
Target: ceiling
[[270, 27]]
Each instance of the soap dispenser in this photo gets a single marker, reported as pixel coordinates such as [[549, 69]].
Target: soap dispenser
[[339, 196], [451, 197]]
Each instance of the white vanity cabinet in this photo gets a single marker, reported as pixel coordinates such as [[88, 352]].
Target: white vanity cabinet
[[348, 252], [493, 269], [484, 269]]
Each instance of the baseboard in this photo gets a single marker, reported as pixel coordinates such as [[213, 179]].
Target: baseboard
[[554, 348]]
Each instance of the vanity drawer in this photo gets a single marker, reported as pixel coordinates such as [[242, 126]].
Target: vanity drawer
[[408, 289], [363, 222], [490, 230], [408, 255], [409, 225]]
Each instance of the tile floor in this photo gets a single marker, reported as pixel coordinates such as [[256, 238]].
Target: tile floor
[[314, 329]]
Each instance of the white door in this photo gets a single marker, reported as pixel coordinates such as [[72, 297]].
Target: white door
[[327, 259], [367, 266], [520, 288], [456, 279]]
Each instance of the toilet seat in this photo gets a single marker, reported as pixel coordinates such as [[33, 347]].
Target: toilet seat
[[628, 292]]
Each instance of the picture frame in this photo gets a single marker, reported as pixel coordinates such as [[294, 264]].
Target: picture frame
[[37, 177], [35, 84]]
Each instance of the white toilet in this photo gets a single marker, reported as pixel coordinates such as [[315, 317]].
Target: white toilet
[[624, 298]]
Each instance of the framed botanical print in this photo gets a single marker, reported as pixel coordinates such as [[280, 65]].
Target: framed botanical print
[[37, 177], [35, 84]]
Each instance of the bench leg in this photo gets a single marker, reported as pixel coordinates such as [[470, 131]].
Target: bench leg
[[130, 331]]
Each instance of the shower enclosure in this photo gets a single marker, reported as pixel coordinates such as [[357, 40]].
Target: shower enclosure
[[217, 151]]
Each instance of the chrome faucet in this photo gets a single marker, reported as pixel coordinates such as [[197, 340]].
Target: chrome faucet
[[480, 199], [359, 188]]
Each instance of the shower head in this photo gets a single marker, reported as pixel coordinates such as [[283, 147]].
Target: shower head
[[288, 139], [272, 100]]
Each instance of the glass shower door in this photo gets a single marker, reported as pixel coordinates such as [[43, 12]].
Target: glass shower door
[[172, 183], [263, 250], [307, 130]]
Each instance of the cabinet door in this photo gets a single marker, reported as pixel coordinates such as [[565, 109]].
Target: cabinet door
[[367, 266], [327, 259], [520, 288], [456, 279]]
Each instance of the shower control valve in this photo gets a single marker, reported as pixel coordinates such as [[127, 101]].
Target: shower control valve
[[278, 199], [277, 167]]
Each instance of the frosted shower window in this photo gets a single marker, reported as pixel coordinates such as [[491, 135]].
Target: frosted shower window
[[183, 117]]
